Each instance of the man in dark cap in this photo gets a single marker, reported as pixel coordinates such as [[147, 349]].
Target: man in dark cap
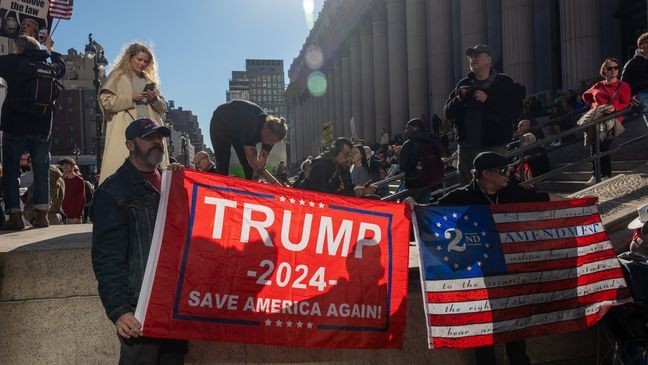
[[490, 185], [484, 107], [125, 210]]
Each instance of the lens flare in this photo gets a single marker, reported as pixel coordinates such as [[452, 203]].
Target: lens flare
[[309, 7], [317, 83], [314, 57]]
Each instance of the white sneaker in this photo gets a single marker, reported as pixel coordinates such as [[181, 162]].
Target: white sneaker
[[591, 181]]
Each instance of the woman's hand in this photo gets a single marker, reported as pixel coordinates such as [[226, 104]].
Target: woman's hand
[[610, 109], [139, 96], [151, 96]]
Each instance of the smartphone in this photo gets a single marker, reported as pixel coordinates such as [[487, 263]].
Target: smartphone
[[149, 87]]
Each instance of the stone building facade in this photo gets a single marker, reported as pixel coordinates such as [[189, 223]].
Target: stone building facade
[[373, 64]]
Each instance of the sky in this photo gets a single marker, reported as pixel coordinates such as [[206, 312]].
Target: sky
[[197, 43]]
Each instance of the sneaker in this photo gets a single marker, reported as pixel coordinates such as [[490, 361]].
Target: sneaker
[[41, 220], [556, 143], [15, 223], [591, 181], [604, 178]]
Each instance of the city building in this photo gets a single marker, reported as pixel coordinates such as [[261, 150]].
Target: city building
[[368, 65], [185, 121], [74, 129], [262, 83]]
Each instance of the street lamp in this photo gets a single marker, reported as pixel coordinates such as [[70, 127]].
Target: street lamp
[[94, 50]]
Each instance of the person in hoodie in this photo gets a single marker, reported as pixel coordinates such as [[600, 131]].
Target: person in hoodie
[[635, 73], [24, 132], [409, 159]]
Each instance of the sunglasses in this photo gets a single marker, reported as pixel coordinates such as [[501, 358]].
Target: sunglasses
[[612, 68], [504, 171]]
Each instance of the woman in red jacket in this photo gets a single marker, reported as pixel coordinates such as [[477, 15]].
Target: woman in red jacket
[[613, 93]]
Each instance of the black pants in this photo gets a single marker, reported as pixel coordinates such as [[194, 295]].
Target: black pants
[[222, 144], [515, 351], [145, 350], [606, 162]]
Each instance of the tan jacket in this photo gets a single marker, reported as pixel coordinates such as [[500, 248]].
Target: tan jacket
[[118, 108]]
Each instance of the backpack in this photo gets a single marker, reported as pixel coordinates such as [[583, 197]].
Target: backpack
[[429, 167], [36, 88]]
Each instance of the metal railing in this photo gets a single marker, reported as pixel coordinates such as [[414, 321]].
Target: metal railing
[[450, 180]]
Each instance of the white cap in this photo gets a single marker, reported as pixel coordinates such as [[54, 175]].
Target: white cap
[[641, 219]]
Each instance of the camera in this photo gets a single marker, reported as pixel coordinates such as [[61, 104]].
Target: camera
[[149, 87]]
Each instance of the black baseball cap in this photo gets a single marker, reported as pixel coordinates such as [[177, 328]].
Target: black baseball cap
[[143, 127], [489, 160], [477, 49], [416, 122]]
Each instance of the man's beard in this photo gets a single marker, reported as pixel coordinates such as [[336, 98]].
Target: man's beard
[[152, 157]]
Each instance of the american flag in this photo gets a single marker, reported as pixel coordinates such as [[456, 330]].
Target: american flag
[[498, 273], [61, 9]]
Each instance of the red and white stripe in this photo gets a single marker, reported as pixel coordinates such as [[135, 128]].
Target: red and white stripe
[[61, 9], [563, 276]]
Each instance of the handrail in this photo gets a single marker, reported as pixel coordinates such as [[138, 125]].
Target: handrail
[[519, 152]]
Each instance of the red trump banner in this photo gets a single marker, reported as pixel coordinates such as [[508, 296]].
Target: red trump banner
[[238, 261], [505, 272]]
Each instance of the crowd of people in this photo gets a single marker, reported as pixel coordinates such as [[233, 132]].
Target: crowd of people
[[479, 116]]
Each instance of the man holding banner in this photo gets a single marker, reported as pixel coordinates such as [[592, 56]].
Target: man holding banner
[[495, 272], [124, 219], [490, 185]]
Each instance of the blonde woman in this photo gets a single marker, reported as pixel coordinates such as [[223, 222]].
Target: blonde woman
[[131, 91]]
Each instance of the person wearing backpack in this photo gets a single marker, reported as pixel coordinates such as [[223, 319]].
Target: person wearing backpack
[[420, 159], [32, 78]]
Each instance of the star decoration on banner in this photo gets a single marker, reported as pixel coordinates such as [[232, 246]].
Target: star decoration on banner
[[462, 240], [288, 324], [301, 202]]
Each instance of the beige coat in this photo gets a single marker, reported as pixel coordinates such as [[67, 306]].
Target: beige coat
[[116, 102]]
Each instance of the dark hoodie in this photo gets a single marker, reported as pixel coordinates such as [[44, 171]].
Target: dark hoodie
[[15, 122], [408, 157]]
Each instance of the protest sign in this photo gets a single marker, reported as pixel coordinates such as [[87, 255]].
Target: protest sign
[[239, 261], [505, 272]]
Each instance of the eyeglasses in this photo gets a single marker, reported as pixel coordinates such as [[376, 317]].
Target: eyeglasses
[[611, 68], [504, 171]]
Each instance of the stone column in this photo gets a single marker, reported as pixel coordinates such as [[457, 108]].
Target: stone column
[[381, 67], [579, 41], [347, 112], [368, 98], [330, 77], [356, 83], [397, 41], [473, 26], [440, 72], [417, 62], [299, 127], [339, 101], [518, 42]]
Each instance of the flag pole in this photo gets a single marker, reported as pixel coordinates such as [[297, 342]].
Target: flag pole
[[55, 26]]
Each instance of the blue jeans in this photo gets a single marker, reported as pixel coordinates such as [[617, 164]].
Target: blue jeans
[[38, 148], [642, 96]]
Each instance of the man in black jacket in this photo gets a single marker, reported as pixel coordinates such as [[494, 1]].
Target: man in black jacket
[[125, 211], [484, 107], [409, 159], [635, 73], [26, 132]]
